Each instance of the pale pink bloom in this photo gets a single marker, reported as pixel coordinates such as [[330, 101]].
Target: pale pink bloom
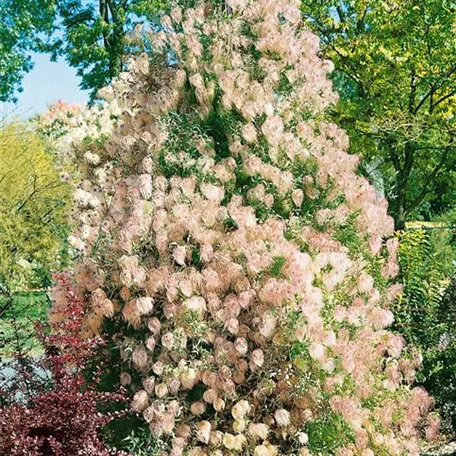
[[204, 431], [268, 326], [151, 343], [145, 185], [381, 318], [145, 305], [212, 192], [212, 279], [235, 443], [317, 351], [76, 243], [167, 423], [219, 404], [179, 255], [303, 438], [241, 345], [167, 340], [140, 358], [365, 283], [395, 345], [433, 427], [125, 378], [264, 450], [131, 313], [140, 401], [198, 408], [188, 378], [232, 325], [249, 133], [161, 390], [206, 252], [147, 164], [298, 197], [154, 325], [329, 365]]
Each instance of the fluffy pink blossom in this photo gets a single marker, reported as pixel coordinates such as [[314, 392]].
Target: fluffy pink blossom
[[230, 262]]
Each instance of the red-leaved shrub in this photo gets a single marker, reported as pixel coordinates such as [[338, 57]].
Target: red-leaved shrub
[[48, 407]]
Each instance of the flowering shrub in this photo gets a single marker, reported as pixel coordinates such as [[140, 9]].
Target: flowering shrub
[[59, 118], [48, 408], [224, 228], [63, 123]]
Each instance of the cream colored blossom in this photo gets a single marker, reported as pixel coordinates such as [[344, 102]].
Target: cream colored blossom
[[204, 431], [258, 431], [282, 417]]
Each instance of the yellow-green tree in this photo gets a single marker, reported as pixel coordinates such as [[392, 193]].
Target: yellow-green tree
[[395, 70], [33, 208]]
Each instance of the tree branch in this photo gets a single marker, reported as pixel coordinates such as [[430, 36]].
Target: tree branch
[[340, 13], [440, 100], [113, 9], [360, 22], [344, 70], [395, 159], [412, 91], [425, 189], [432, 91]]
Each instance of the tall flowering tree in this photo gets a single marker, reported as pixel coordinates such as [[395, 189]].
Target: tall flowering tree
[[223, 226]]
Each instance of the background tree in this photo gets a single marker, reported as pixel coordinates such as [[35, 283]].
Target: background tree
[[90, 35], [92, 39], [33, 204], [395, 71], [396, 74], [21, 23]]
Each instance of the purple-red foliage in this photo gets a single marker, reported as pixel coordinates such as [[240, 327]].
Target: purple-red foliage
[[51, 409]]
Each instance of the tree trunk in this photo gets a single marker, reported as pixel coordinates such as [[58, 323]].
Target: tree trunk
[[403, 177], [113, 41], [115, 51]]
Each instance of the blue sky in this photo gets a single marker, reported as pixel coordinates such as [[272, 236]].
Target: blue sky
[[45, 84]]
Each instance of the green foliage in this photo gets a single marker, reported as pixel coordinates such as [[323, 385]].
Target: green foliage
[[33, 210], [426, 312], [424, 285], [22, 22], [329, 433], [91, 39], [17, 322], [277, 265], [90, 35], [139, 441], [395, 68]]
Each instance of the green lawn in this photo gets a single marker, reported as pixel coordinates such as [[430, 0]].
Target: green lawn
[[17, 324]]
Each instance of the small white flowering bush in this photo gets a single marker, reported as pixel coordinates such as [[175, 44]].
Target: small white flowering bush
[[223, 226]]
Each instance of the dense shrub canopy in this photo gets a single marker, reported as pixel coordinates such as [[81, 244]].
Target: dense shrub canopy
[[224, 228]]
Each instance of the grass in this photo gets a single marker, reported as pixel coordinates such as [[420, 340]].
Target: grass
[[17, 323]]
